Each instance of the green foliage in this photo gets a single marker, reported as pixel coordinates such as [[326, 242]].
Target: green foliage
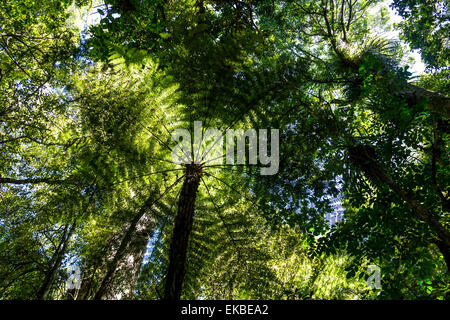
[[425, 27], [87, 179]]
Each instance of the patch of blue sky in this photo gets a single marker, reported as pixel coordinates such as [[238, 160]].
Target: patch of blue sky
[[412, 58]]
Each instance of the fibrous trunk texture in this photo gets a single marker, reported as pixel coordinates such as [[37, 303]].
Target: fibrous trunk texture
[[181, 232]]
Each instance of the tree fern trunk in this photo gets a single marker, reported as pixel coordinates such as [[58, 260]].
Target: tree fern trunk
[[181, 232]]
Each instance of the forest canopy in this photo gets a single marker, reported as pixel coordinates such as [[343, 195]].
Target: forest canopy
[[95, 204]]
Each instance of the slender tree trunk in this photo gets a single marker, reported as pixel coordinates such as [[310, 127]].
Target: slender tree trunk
[[124, 245], [86, 286], [126, 273], [129, 255], [57, 258], [181, 232], [363, 157]]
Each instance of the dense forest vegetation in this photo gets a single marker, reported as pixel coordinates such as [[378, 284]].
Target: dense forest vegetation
[[93, 205]]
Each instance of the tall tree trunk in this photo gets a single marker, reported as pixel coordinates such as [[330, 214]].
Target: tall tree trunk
[[57, 259], [364, 157], [129, 255], [181, 232], [123, 282], [143, 221]]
